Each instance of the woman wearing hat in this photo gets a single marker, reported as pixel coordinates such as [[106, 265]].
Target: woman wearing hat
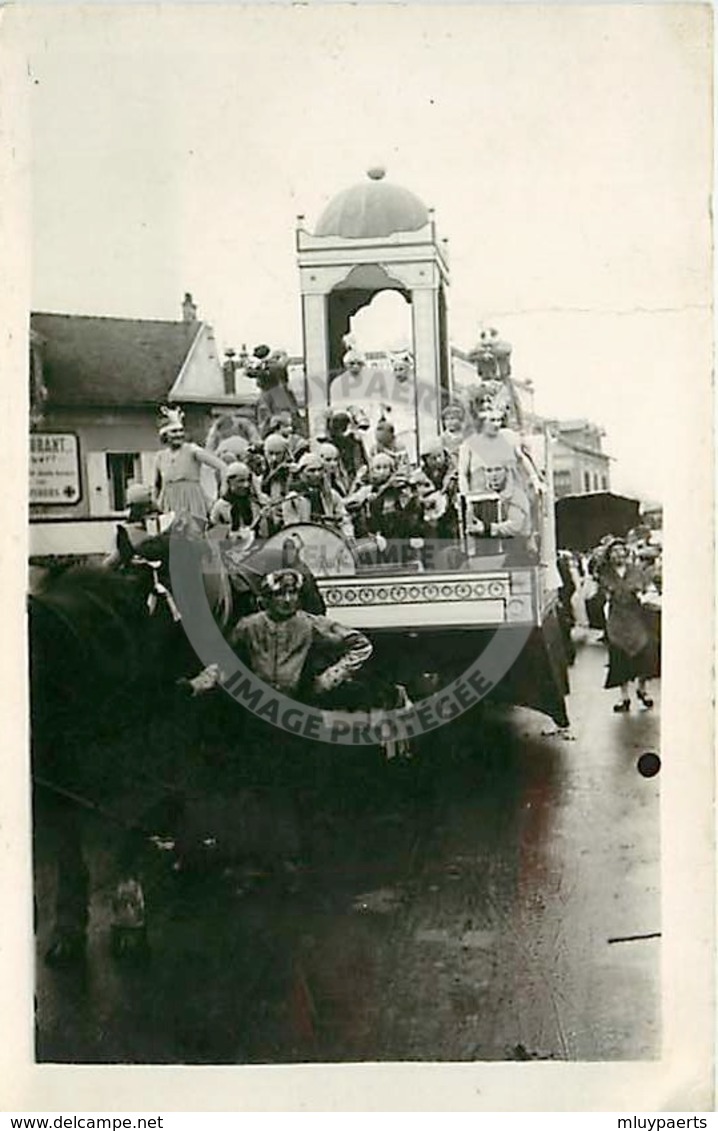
[[632, 651], [177, 473]]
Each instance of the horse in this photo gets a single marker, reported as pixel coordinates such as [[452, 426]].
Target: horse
[[110, 663], [106, 650], [110, 671]]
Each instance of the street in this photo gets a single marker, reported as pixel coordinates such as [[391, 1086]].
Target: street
[[494, 898]]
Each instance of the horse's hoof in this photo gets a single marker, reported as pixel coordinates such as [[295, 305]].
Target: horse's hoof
[[129, 944], [66, 950]]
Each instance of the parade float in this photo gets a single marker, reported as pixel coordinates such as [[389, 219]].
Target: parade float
[[431, 598]]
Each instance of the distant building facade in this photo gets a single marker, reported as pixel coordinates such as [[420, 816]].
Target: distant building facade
[[581, 467]]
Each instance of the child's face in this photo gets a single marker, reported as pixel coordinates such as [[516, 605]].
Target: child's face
[[313, 475], [491, 420], [496, 478], [381, 470], [285, 428], [330, 459], [238, 483], [452, 422], [283, 604], [175, 437]]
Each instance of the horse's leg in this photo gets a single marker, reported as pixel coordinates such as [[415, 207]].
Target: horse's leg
[[69, 933], [128, 928]]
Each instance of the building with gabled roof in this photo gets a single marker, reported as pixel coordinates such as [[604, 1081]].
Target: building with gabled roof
[[98, 382]]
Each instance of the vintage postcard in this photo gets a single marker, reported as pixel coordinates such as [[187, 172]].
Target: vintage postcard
[[359, 541]]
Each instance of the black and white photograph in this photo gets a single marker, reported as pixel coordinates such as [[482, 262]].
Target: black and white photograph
[[366, 350]]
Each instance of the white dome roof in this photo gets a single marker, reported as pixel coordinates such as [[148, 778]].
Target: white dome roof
[[372, 209]]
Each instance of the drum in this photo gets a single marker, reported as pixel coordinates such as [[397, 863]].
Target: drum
[[321, 549]]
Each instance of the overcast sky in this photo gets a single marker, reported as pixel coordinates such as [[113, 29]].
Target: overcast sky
[[565, 150]]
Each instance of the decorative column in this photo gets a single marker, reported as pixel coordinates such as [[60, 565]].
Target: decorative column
[[316, 362], [427, 366]]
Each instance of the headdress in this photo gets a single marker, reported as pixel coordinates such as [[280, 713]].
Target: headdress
[[435, 448], [453, 408], [310, 461], [170, 418], [325, 448], [382, 455], [278, 359], [338, 416], [237, 468], [275, 443], [279, 580], [402, 364], [613, 543], [235, 445]]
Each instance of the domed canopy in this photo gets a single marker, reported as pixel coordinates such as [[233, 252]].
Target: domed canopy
[[372, 209]]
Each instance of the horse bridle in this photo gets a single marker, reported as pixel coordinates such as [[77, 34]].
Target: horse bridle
[[159, 591]]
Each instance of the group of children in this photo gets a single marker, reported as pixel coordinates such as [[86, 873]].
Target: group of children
[[476, 479], [482, 479]]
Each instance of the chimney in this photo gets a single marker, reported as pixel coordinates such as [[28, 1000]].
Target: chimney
[[228, 370], [189, 309]]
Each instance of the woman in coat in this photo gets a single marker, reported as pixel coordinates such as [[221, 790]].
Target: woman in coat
[[632, 650]]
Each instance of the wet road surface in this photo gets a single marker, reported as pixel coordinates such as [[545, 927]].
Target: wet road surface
[[459, 906]]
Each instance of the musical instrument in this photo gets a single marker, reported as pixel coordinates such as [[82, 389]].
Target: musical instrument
[[435, 506], [484, 508], [323, 551]]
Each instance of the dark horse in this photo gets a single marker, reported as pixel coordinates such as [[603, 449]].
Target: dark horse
[[111, 717], [104, 671], [109, 660], [109, 663]]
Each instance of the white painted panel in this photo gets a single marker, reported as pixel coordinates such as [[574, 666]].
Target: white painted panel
[[98, 484], [64, 538], [448, 614], [147, 467]]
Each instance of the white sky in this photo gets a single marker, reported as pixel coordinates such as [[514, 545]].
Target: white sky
[[566, 151]]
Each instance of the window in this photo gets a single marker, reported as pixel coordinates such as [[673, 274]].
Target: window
[[122, 468], [561, 483], [604, 482], [587, 481]]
